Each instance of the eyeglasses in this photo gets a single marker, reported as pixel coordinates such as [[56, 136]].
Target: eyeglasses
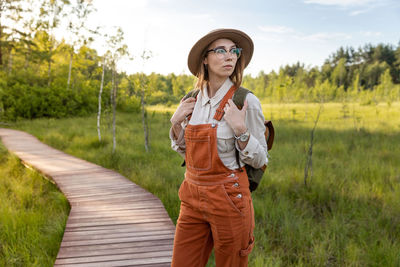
[[220, 52]]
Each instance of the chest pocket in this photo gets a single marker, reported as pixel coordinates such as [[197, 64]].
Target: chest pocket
[[225, 136]]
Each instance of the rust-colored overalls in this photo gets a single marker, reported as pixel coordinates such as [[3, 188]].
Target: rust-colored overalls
[[216, 206]]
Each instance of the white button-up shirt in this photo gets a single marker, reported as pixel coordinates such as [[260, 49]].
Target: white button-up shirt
[[255, 153]]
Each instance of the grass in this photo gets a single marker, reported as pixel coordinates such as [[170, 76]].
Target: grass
[[348, 215], [33, 214]]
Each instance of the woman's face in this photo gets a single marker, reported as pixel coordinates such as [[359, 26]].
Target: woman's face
[[221, 65]]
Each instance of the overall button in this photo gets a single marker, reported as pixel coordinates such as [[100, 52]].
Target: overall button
[[213, 125], [239, 196]]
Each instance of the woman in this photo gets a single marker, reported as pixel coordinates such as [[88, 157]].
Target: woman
[[216, 206]]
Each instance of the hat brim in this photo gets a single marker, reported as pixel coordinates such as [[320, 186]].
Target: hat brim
[[241, 39]]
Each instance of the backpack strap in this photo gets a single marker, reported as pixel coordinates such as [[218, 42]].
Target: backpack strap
[[269, 134], [219, 113], [192, 93], [239, 97]]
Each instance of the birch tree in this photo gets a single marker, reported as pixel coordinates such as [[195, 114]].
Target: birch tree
[[146, 55], [100, 92], [117, 51]]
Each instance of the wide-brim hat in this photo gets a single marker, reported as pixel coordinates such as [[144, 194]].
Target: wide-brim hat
[[241, 39]]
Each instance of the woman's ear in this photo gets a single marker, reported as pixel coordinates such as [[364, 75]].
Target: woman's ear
[[205, 61]]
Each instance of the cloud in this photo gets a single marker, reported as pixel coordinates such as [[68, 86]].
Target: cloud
[[356, 7], [276, 29], [371, 34], [358, 12], [324, 37], [341, 3], [280, 34]]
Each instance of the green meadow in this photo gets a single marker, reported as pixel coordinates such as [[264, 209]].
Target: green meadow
[[348, 213], [33, 214]]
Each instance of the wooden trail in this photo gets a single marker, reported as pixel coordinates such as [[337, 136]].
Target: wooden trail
[[112, 222]]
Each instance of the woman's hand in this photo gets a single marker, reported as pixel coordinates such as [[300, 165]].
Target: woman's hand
[[184, 109], [235, 117]]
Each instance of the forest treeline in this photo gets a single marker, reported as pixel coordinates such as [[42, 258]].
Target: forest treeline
[[41, 76]]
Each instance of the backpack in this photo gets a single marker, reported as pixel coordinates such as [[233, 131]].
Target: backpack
[[253, 174]]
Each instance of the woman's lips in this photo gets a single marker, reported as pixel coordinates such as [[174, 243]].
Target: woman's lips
[[228, 67]]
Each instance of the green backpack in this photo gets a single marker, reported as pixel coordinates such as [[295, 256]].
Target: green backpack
[[254, 174]]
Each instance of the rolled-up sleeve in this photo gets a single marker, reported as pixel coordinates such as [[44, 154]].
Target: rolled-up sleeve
[[256, 151], [179, 144]]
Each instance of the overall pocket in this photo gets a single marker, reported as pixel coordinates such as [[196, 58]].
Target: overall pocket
[[198, 153], [234, 196]]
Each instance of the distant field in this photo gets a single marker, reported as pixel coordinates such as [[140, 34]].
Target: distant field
[[348, 215]]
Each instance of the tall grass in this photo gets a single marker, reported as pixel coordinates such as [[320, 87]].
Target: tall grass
[[33, 214], [347, 215]]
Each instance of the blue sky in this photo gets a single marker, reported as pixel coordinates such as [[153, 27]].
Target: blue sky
[[283, 32]]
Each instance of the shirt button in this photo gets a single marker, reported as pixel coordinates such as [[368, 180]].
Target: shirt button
[[235, 184], [239, 196], [232, 175], [213, 125]]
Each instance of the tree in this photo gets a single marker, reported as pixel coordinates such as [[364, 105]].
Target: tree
[[146, 55], [80, 33], [9, 9], [117, 50], [51, 12], [339, 73]]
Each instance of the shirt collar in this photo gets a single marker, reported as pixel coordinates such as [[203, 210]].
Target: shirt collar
[[218, 95]]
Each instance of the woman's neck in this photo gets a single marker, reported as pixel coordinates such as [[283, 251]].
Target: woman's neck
[[214, 84]]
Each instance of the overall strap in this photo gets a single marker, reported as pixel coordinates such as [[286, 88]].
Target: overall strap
[[220, 110]]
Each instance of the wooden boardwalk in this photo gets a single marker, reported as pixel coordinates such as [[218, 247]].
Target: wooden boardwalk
[[112, 222]]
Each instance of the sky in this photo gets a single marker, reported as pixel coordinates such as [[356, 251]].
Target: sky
[[283, 32]]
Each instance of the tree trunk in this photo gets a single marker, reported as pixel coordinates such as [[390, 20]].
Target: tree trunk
[[49, 68], [114, 97], [69, 71], [1, 47], [99, 112], [144, 121], [27, 58], [10, 62]]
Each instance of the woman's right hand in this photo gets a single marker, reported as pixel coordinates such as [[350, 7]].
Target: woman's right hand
[[184, 109]]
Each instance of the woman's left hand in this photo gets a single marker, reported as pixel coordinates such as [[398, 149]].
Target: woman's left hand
[[235, 117]]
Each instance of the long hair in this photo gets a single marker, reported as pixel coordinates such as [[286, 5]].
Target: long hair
[[203, 77]]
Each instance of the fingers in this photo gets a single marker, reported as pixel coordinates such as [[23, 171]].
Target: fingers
[[188, 100]]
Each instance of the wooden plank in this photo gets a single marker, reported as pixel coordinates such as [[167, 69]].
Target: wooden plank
[[125, 217], [113, 214], [131, 262], [120, 200], [116, 240], [129, 250], [101, 258], [116, 195], [133, 207], [103, 248], [118, 222], [143, 226], [72, 236]]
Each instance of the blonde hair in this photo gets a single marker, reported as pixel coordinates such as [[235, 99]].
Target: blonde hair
[[236, 76]]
